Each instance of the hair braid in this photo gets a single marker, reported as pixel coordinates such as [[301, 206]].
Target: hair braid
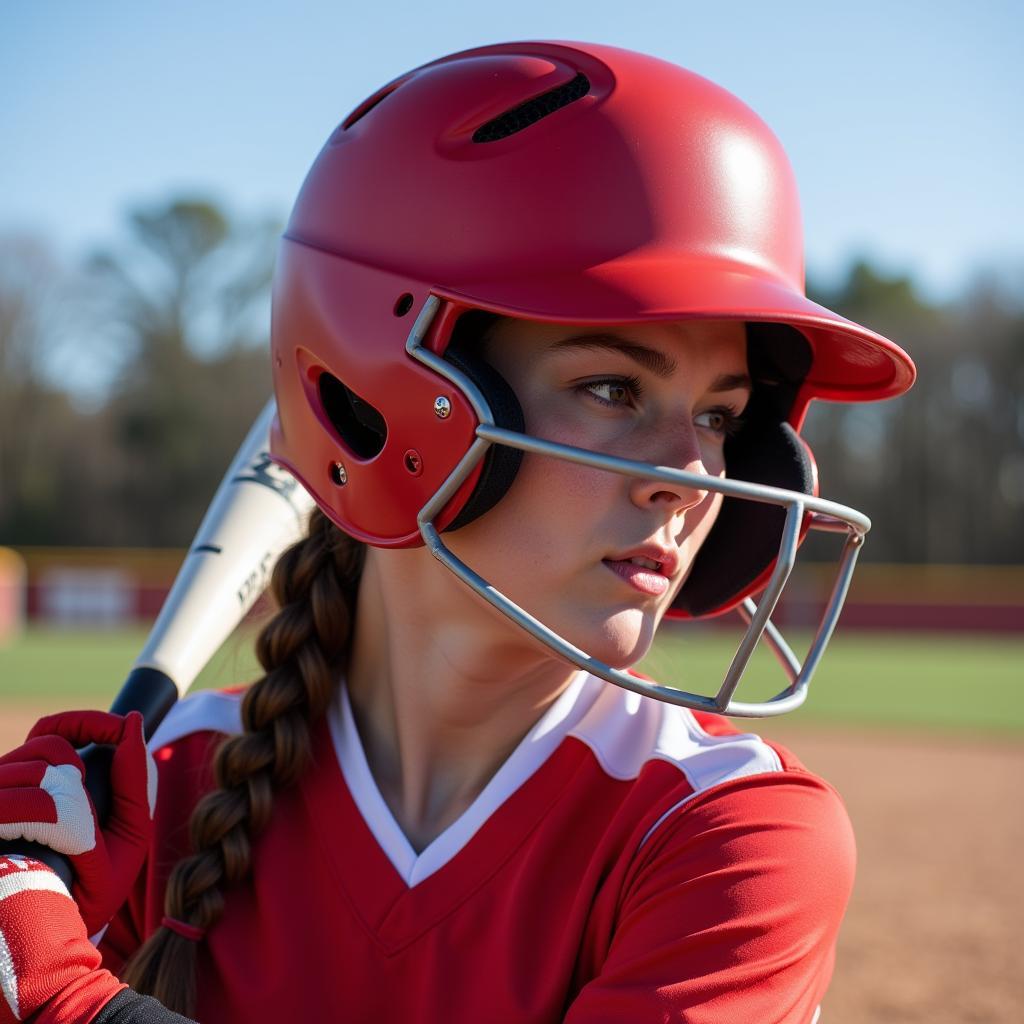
[[301, 649]]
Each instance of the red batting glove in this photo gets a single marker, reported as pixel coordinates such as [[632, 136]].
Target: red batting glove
[[42, 799], [48, 966]]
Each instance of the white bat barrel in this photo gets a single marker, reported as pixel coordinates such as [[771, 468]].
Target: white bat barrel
[[258, 511]]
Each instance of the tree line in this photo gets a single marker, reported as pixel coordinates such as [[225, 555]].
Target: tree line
[[127, 382]]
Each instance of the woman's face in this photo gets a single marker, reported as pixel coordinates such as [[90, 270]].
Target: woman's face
[[598, 556]]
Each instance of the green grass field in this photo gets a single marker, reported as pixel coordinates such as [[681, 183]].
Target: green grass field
[[967, 683]]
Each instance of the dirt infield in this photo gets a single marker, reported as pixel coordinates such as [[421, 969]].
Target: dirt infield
[[933, 930]]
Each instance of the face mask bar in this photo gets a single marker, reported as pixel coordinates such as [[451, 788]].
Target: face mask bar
[[823, 515]]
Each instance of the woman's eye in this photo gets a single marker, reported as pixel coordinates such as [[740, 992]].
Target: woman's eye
[[720, 421], [616, 391]]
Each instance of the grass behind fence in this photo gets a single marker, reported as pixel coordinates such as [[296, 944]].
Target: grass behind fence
[[953, 682]]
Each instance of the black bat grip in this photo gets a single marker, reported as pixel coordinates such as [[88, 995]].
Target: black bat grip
[[147, 690]]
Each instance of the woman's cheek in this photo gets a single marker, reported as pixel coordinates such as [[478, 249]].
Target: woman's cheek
[[552, 480], [713, 458]]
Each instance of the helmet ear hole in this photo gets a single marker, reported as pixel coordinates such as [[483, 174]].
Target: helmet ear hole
[[358, 424]]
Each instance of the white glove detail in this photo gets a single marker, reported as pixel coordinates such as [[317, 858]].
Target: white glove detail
[[74, 831]]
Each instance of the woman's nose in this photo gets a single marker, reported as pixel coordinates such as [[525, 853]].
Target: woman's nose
[[675, 496]]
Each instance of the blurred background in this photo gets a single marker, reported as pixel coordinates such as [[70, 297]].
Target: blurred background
[[151, 153]]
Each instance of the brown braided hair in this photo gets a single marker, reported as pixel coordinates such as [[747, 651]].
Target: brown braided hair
[[302, 650]]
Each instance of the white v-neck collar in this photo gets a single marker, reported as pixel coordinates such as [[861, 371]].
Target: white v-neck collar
[[538, 744]]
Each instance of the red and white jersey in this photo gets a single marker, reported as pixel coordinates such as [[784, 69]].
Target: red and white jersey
[[631, 861]]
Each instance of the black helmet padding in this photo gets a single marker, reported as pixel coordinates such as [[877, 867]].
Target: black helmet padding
[[501, 462], [767, 450]]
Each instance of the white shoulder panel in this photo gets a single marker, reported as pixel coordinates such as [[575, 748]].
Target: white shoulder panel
[[205, 711], [625, 731]]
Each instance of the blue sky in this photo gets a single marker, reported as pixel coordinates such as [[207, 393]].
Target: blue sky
[[902, 119]]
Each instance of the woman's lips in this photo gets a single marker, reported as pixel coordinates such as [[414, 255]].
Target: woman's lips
[[641, 577]]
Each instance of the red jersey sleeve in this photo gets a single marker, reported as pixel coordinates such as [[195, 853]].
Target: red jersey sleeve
[[732, 910]]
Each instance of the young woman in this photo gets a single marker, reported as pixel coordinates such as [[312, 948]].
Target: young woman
[[541, 354]]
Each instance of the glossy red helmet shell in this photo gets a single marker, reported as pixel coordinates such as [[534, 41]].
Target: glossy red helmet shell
[[562, 182]]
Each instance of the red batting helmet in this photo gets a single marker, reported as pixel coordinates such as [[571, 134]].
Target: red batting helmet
[[560, 182]]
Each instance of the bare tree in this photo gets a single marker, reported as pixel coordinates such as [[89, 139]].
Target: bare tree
[[30, 284], [941, 469], [186, 299]]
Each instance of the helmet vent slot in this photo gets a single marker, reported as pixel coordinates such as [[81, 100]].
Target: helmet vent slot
[[368, 104], [359, 425], [530, 112]]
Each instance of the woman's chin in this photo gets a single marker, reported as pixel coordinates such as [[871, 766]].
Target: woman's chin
[[621, 640]]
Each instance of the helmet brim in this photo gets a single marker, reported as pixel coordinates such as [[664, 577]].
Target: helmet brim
[[851, 363]]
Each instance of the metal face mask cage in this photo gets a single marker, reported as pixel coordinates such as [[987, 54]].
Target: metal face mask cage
[[823, 515]]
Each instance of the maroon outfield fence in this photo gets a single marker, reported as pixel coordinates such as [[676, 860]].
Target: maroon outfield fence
[[95, 587]]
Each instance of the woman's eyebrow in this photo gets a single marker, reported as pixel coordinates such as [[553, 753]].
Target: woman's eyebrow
[[650, 359], [732, 382]]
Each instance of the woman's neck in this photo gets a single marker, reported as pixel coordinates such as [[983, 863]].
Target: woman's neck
[[442, 689]]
